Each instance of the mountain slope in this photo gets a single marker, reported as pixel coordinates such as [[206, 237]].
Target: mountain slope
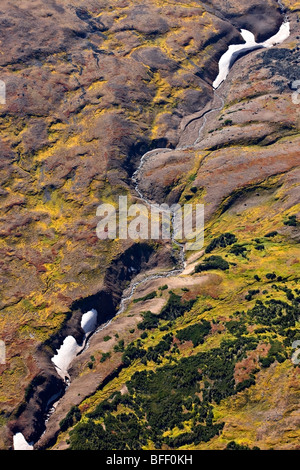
[[87, 95]]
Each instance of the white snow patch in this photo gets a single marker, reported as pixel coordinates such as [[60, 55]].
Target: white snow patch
[[281, 36], [70, 348], [20, 442], [89, 321], [235, 50], [65, 355]]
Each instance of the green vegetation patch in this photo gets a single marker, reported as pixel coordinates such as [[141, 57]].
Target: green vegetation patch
[[149, 296], [221, 242], [159, 401], [212, 262], [195, 333], [172, 404]]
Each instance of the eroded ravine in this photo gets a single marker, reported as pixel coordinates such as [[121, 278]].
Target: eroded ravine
[[128, 294]]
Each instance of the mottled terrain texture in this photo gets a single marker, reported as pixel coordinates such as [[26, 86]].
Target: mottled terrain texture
[[92, 86]]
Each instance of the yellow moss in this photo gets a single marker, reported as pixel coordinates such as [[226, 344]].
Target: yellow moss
[[97, 85], [157, 130], [246, 412], [292, 5]]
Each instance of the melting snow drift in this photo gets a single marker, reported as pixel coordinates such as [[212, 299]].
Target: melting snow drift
[[62, 360], [89, 321], [20, 442], [70, 348], [235, 50]]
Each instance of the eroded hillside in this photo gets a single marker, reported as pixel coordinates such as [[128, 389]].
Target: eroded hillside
[[89, 91]]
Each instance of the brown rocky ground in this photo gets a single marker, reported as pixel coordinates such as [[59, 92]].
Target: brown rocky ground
[[253, 137], [89, 90]]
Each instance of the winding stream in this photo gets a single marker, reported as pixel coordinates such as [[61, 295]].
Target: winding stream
[[69, 349]]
